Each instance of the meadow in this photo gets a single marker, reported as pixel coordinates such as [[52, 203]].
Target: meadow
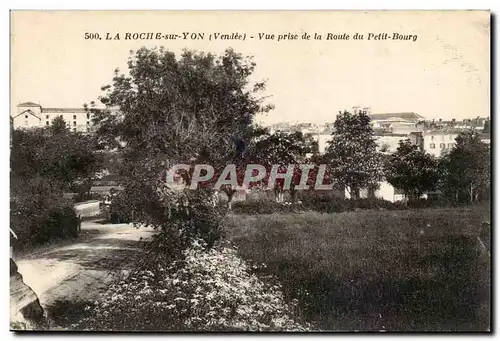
[[372, 270]]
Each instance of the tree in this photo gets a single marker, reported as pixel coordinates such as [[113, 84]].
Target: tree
[[412, 170], [283, 149], [465, 171], [165, 111], [62, 158], [486, 127], [352, 154], [44, 165], [58, 126]]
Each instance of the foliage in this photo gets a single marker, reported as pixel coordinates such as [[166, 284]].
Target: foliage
[[44, 163], [262, 207], [466, 170], [325, 204], [58, 126], [283, 150], [194, 109], [352, 154], [85, 196], [38, 215], [64, 159], [487, 126], [205, 291], [412, 170]]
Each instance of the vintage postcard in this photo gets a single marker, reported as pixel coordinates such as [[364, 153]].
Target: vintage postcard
[[250, 171]]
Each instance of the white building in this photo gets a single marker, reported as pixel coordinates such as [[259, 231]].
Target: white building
[[31, 115], [385, 191], [439, 142], [405, 122]]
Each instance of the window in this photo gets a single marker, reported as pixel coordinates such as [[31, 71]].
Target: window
[[74, 117], [88, 129], [25, 123], [432, 138], [47, 123], [47, 116], [25, 116], [74, 123], [88, 123], [88, 115], [442, 145], [432, 145], [74, 129]]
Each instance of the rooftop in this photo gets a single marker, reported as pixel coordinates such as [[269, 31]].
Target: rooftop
[[28, 104], [410, 116], [444, 131], [64, 110]]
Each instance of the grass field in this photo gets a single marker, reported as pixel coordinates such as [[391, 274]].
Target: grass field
[[376, 270]]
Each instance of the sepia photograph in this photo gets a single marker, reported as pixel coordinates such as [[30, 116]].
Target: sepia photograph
[[250, 171]]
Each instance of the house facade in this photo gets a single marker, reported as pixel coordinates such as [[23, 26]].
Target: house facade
[[439, 142], [33, 115]]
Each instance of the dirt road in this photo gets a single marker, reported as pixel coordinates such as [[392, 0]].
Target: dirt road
[[79, 270]]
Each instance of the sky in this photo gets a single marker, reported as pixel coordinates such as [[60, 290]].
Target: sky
[[444, 74]]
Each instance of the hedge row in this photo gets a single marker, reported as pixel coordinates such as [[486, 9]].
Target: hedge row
[[329, 205], [40, 219]]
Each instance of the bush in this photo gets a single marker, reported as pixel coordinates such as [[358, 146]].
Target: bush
[[260, 207], [318, 203], [38, 215], [61, 222], [207, 290], [327, 204], [85, 196]]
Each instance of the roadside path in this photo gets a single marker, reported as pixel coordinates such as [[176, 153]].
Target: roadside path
[[79, 270]]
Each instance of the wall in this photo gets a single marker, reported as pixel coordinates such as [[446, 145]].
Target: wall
[[437, 139], [25, 119], [80, 120], [385, 191], [322, 142], [76, 118], [392, 141]]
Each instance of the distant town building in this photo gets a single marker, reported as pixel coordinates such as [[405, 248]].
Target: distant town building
[[405, 122], [439, 142], [31, 115], [485, 138], [417, 139]]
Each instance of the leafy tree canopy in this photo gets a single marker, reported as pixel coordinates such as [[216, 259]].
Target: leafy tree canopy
[[352, 153], [412, 170]]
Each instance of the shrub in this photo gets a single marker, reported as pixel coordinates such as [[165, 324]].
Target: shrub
[[318, 203], [327, 204], [38, 215], [208, 289], [260, 207], [60, 222], [84, 196]]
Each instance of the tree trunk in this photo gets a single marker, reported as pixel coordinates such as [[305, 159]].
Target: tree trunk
[[279, 196], [355, 193], [230, 199], [471, 192], [293, 194]]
